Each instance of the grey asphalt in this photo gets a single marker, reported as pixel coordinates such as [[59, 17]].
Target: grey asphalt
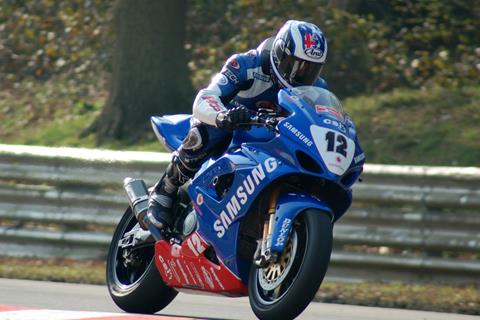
[[64, 296]]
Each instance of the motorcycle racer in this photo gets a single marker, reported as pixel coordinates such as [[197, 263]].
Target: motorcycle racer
[[247, 82]]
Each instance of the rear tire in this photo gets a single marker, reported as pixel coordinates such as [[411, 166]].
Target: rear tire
[[136, 287], [312, 233]]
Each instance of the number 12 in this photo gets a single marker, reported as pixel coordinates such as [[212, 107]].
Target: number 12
[[341, 145]]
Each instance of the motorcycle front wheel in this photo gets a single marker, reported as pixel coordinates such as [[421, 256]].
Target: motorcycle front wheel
[[282, 290], [133, 280]]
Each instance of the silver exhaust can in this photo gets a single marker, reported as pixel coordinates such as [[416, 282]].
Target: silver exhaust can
[[137, 194]]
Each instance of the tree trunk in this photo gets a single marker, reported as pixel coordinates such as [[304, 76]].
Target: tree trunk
[[150, 75]]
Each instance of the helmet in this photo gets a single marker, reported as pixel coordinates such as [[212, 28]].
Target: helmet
[[298, 54]]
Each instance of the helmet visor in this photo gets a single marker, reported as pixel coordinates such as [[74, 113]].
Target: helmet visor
[[299, 72]]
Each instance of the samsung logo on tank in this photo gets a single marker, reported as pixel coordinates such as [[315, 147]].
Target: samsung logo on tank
[[242, 194]]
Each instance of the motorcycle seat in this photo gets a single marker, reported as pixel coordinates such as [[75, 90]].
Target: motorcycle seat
[[171, 129]]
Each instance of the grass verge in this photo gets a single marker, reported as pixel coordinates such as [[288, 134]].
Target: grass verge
[[429, 297]]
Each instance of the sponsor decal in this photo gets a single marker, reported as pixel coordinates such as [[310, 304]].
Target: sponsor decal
[[213, 103], [231, 76], [282, 236], [207, 277], [166, 268], [313, 46], [302, 137], [234, 63], [335, 123], [261, 77], [323, 109], [359, 158], [251, 53], [242, 194], [199, 199]]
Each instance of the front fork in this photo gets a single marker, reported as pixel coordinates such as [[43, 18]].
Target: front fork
[[264, 255]]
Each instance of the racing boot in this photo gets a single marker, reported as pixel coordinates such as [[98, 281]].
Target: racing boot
[[164, 194], [160, 204]]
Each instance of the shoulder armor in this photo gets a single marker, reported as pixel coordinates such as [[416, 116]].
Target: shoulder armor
[[265, 49]]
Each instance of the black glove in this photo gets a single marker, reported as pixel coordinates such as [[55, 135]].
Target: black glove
[[233, 118]]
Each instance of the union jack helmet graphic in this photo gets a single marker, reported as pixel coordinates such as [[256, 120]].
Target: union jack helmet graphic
[[298, 54]]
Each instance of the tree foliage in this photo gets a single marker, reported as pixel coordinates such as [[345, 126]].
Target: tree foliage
[[374, 45], [39, 39]]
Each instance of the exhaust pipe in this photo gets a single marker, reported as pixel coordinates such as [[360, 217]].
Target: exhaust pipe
[[137, 194]]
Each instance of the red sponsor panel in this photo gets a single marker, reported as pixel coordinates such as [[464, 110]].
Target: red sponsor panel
[[185, 266]]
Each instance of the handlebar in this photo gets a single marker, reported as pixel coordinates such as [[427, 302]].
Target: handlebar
[[264, 120], [261, 119]]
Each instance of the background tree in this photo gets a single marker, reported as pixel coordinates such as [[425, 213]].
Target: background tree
[[150, 74]]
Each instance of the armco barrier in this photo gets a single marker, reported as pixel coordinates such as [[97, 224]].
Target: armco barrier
[[407, 222]]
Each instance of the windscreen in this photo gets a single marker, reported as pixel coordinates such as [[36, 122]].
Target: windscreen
[[322, 100]]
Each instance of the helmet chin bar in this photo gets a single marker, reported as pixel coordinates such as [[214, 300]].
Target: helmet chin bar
[[281, 80]]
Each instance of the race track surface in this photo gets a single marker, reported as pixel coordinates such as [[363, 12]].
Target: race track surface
[[75, 297]]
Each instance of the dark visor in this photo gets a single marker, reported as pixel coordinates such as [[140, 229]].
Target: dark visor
[[299, 72]]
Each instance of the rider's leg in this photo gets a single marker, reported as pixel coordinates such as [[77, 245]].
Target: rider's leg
[[201, 142]]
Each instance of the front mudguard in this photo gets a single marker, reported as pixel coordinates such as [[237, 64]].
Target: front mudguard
[[288, 207]]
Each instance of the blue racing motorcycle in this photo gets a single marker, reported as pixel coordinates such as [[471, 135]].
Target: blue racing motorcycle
[[255, 221]]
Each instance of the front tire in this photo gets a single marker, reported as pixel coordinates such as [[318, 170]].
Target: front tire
[[133, 280], [283, 290]]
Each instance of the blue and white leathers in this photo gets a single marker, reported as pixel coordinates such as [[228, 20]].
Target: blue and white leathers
[[315, 142], [244, 80]]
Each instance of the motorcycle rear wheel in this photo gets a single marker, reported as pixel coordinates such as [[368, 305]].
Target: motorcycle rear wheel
[[134, 282], [284, 290]]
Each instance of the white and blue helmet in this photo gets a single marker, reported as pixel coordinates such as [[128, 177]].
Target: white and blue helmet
[[298, 54]]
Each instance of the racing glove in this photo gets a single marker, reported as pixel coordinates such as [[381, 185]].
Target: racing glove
[[233, 118]]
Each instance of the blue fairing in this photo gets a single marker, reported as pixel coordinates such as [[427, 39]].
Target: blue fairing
[[171, 130], [288, 207], [316, 140]]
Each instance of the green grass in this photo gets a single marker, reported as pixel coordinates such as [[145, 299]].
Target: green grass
[[55, 113], [436, 126], [432, 127], [430, 297]]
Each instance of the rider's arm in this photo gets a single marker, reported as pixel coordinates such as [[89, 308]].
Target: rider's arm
[[223, 87]]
